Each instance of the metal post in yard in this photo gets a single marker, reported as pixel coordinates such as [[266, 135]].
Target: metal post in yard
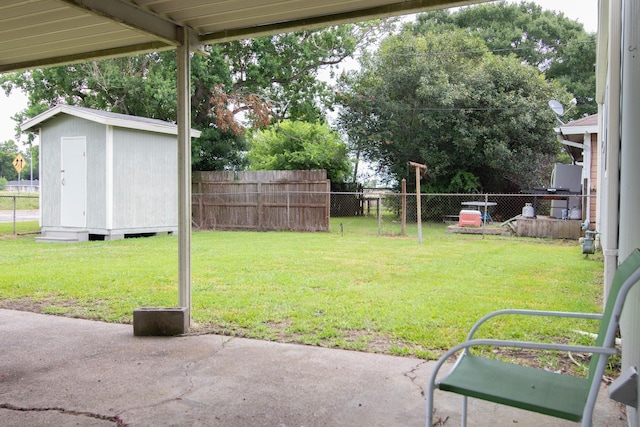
[[484, 222], [379, 216], [418, 167], [31, 163], [14, 215], [404, 207]]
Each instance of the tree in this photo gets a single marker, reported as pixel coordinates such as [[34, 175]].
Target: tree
[[8, 151], [294, 145], [259, 79], [555, 44], [479, 121]]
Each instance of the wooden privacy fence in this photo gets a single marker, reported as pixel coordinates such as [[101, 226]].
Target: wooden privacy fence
[[261, 200]]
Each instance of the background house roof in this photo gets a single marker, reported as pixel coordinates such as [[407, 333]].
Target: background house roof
[[106, 118], [576, 129], [580, 126], [591, 120], [39, 33], [572, 134]]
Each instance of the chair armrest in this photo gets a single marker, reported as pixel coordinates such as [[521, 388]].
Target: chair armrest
[[595, 316], [517, 344], [530, 345]]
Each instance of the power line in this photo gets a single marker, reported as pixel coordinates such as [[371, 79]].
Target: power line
[[469, 109], [471, 52]]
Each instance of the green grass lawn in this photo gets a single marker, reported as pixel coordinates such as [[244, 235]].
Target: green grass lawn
[[347, 288], [21, 227], [22, 200]]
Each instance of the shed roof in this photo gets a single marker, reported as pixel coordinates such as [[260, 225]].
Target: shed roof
[[37, 33], [106, 118]]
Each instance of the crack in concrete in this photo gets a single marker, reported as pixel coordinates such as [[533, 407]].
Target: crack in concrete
[[190, 364], [180, 397], [412, 375], [438, 421], [114, 419], [187, 374]]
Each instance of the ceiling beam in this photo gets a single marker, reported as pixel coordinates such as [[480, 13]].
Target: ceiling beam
[[86, 56], [378, 12], [131, 16]]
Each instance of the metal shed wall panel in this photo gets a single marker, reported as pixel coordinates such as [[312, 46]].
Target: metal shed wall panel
[[52, 134], [145, 187], [50, 177]]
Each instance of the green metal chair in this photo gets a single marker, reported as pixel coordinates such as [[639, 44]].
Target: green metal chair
[[537, 390]]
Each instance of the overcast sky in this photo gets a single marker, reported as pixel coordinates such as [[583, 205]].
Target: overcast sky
[[584, 11]]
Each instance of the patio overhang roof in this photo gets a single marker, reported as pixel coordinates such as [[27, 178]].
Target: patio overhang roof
[[40, 33]]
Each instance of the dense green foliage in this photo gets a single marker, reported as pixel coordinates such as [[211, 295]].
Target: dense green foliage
[[547, 40], [479, 121], [8, 152], [291, 145], [259, 80], [466, 92]]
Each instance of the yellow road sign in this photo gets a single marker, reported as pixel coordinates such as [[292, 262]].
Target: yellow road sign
[[19, 163]]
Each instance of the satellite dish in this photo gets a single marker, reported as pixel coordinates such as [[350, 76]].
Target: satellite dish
[[556, 107]]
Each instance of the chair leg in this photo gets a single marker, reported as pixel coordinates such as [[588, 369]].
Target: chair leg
[[429, 422], [464, 411]]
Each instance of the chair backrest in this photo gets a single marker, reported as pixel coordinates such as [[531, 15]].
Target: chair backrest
[[625, 277]]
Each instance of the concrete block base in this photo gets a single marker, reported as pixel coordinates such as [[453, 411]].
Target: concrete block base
[[160, 321]]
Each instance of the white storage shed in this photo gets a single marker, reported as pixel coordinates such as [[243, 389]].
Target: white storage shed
[[105, 175]]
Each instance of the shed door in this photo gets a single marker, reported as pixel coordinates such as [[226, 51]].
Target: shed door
[[73, 174]]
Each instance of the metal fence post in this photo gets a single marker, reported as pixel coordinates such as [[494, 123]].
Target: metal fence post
[[379, 216], [484, 221], [14, 215], [404, 207]]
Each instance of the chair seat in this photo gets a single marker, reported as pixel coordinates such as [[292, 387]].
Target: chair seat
[[536, 390]]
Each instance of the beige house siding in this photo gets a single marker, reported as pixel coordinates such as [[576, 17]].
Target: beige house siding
[[593, 184]]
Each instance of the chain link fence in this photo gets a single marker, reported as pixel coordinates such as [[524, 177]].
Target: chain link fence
[[16, 209], [395, 213], [383, 212]]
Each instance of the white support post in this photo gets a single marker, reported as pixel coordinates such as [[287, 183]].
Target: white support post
[[629, 178], [611, 139], [184, 172]]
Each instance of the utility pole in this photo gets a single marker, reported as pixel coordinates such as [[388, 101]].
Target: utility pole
[[419, 167]]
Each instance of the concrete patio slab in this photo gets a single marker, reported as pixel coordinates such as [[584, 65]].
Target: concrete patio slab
[[57, 371]]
